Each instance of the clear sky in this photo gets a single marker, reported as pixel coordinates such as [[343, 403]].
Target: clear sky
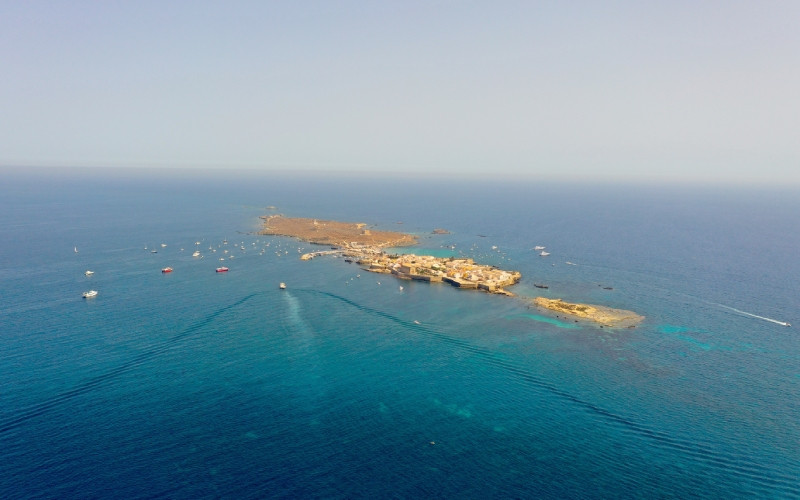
[[674, 90]]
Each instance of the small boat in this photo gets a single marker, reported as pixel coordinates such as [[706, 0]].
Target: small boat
[[163, 245], [90, 294], [222, 269], [416, 322], [76, 249], [153, 251], [196, 253], [538, 248], [282, 286], [540, 285], [401, 288], [166, 270], [544, 254], [89, 273]]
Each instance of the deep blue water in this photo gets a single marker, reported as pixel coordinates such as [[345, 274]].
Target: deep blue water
[[198, 384]]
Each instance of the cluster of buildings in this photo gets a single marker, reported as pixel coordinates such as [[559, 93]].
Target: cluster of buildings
[[462, 273]]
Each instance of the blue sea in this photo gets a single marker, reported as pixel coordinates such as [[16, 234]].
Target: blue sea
[[199, 384]]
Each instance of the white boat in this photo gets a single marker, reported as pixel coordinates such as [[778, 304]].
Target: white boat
[[76, 249], [89, 273], [538, 248], [90, 294], [163, 245], [196, 253], [544, 254], [282, 286]]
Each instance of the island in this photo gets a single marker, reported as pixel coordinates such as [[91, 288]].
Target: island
[[357, 243], [329, 232], [604, 316]]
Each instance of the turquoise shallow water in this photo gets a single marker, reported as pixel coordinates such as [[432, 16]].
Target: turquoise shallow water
[[198, 384]]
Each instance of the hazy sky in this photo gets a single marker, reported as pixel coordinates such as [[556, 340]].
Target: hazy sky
[[688, 90]]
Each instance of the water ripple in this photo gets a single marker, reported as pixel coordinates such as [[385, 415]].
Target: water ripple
[[740, 465], [94, 383]]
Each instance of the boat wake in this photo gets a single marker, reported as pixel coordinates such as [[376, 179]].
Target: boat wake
[[19, 417], [782, 323], [740, 465]]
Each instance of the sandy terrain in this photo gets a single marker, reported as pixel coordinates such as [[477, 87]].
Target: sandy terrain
[[328, 232]]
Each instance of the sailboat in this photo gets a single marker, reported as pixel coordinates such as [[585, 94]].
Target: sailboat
[[76, 249]]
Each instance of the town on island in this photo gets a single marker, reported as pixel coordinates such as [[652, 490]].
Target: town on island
[[358, 243]]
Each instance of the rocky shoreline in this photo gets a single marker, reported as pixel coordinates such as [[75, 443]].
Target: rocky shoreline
[[604, 316]]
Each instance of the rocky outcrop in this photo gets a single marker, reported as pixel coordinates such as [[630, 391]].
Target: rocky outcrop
[[605, 316]]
